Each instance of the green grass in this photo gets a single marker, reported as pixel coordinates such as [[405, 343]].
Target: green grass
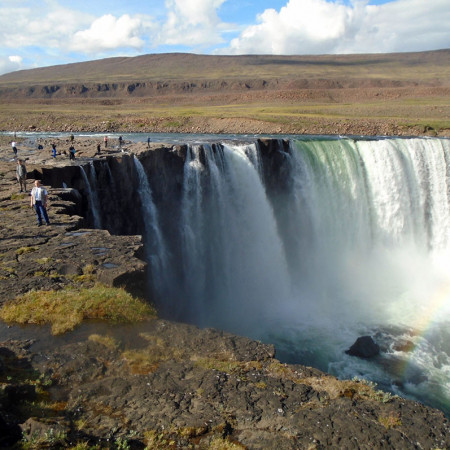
[[390, 421], [67, 308], [24, 250], [147, 360], [185, 112], [18, 196]]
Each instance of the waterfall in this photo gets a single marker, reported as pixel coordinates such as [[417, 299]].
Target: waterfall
[[94, 192], [156, 251], [233, 262], [377, 212], [112, 181], [356, 242], [91, 186], [366, 227]]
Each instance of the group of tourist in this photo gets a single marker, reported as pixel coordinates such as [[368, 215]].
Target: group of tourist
[[38, 195], [71, 151]]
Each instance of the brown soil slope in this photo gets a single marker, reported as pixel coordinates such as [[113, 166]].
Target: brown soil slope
[[405, 93]]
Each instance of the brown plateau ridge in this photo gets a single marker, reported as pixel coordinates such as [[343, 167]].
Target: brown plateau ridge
[[376, 94]]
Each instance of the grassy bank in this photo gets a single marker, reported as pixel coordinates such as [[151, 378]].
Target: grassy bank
[[258, 114], [66, 308]]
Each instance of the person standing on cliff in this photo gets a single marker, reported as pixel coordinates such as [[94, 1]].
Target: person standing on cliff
[[148, 142], [14, 147], [106, 141], [21, 174], [54, 150], [38, 200]]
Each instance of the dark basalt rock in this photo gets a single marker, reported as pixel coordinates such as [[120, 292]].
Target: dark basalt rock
[[185, 385], [364, 347], [9, 434]]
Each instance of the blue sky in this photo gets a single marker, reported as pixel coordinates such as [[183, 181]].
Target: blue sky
[[36, 33]]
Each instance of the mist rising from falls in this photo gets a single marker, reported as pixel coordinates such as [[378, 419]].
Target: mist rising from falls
[[364, 221], [352, 238]]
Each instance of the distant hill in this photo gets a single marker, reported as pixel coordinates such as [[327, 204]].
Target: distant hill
[[376, 94], [149, 75]]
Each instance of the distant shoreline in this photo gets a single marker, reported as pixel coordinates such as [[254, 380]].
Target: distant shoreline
[[229, 126], [140, 136]]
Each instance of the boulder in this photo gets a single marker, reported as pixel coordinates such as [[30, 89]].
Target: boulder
[[364, 347]]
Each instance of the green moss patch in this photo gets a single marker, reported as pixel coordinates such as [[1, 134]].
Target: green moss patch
[[67, 308], [147, 360], [24, 250]]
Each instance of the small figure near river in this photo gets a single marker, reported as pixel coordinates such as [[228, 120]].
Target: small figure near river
[[21, 175]]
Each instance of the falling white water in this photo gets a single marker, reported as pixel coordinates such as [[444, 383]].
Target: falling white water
[[94, 192], [154, 244], [93, 200], [358, 244], [378, 218], [112, 181], [371, 256], [234, 265]]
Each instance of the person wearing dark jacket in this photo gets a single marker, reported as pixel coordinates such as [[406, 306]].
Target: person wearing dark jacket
[[21, 175]]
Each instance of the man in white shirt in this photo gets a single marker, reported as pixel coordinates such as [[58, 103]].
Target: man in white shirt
[[14, 147], [39, 202]]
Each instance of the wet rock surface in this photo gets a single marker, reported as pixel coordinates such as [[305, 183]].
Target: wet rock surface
[[176, 386], [161, 384], [364, 347]]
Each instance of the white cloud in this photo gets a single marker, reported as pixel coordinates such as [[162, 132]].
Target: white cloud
[[108, 33], [10, 64], [325, 26], [46, 33], [15, 59], [404, 25], [196, 12], [191, 23], [25, 26]]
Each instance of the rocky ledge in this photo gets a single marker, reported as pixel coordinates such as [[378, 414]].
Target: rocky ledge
[[161, 384]]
